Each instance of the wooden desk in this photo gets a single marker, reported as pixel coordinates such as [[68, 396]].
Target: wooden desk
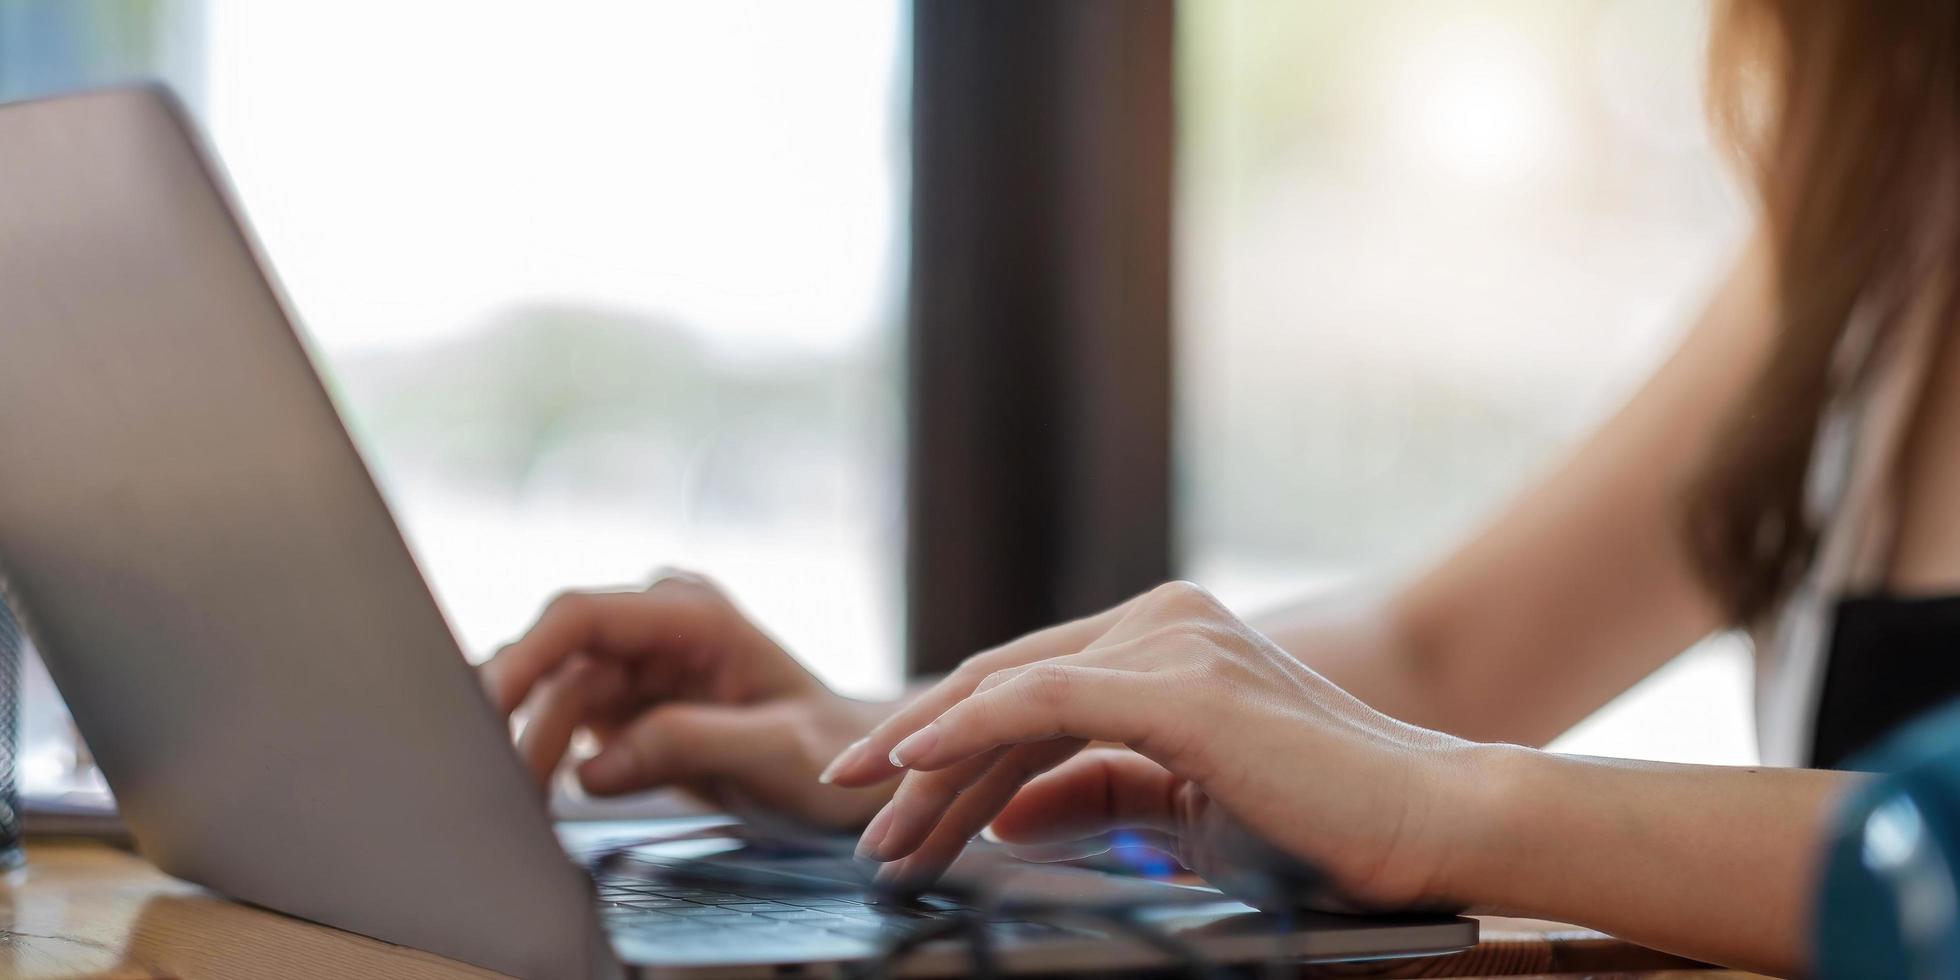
[[89, 910]]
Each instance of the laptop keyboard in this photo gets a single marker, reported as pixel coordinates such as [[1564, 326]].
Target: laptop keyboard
[[635, 902]]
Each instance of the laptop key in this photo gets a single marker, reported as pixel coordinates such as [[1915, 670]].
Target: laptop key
[[663, 931], [865, 930], [801, 915], [783, 932], [866, 915], [762, 907], [705, 912]]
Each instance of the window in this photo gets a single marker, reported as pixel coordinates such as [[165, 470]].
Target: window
[[599, 286], [603, 286], [1423, 247]]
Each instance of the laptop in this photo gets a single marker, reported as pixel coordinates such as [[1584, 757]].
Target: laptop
[[191, 539]]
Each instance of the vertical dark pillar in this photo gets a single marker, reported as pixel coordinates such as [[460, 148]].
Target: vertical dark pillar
[[1040, 326]]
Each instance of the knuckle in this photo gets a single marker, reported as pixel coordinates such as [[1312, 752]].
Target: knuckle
[[1198, 647], [1047, 684], [498, 660], [673, 575], [914, 791], [664, 722], [1185, 597], [940, 789], [990, 681], [679, 583], [980, 665], [1218, 669], [1195, 638], [969, 671], [566, 605]]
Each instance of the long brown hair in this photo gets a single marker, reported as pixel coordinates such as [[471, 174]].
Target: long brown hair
[[1847, 117]]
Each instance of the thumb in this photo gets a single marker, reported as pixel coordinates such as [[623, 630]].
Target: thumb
[[1088, 847], [1109, 797], [1096, 791], [681, 742]]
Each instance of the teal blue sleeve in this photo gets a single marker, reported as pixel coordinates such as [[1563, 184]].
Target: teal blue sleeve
[[1887, 902]]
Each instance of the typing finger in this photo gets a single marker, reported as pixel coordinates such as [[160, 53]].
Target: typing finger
[[917, 805], [1099, 790], [970, 810], [555, 713], [683, 742], [675, 617], [1039, 702], [867, 760]]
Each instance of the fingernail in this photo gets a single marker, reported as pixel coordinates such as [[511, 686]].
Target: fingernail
[[915, 746], [844, 758], [874, 835], [987, 834]]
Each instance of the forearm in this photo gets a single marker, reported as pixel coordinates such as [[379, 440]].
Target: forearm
[[1357, 640], [1449, 650], [1413, 657], [1711, 862]]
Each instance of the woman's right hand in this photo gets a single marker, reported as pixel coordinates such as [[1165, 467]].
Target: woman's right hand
[[680, 689]]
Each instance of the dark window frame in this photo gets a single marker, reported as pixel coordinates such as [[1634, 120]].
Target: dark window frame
[[1039, 335]]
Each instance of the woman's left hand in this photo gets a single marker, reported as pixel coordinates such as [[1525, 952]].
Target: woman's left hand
[[1235, 736]]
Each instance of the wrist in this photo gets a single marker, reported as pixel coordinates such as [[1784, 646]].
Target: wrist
[[1489, 823]]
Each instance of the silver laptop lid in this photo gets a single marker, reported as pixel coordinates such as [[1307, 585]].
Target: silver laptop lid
[[214, 581]]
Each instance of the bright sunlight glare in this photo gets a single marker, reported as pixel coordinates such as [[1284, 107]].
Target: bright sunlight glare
[[1471, 101]]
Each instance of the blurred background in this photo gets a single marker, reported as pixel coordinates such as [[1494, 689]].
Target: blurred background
[[606, 286]]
